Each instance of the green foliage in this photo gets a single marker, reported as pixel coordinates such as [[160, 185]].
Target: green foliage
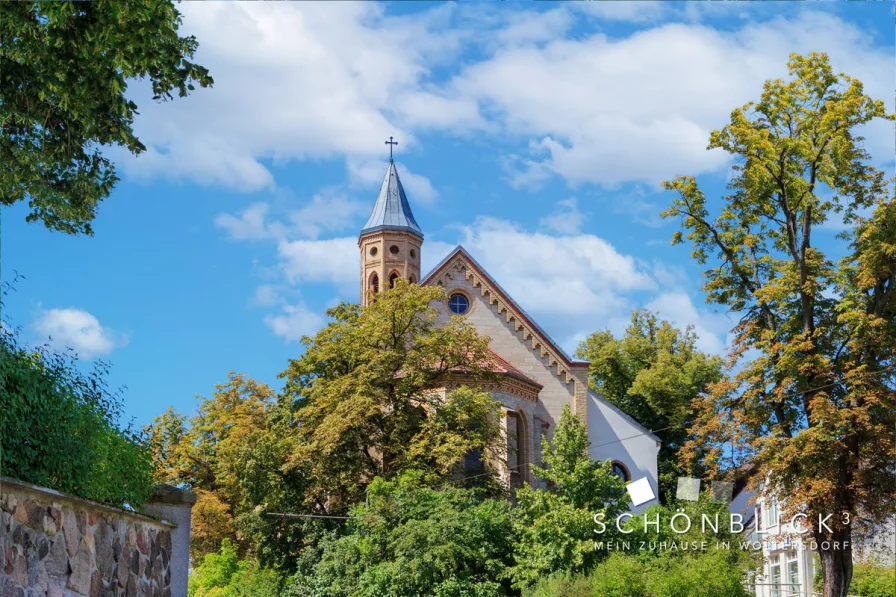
[[368, 401], [663, 572], [812, 406], [231, 454], [365, 399], [223, 574], [66, 67], [414, 541], [653, 373], [59, 427], [556, 526], [873, 580], [621, 575]]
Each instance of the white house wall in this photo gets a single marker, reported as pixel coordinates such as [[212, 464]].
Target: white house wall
[[614, 436]]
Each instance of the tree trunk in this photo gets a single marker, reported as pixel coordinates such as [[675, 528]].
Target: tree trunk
[[836, 562]]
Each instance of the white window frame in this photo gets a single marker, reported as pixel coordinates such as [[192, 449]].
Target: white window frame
[[771, 514], [793, 590], [776, 584]]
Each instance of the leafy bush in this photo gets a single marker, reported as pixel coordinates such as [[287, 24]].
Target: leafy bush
[[556, 526], [663, 572], [59, 427], [412, 540], [695, 574], [869, 580], [223, 574]]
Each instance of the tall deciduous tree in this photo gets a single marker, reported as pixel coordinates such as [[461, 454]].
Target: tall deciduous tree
[[66, 67], [231, 453], [653, 373], [815, 409], [367, 400]]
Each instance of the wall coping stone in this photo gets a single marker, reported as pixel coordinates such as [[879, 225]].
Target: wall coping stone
[[52, 493], [169, 494]]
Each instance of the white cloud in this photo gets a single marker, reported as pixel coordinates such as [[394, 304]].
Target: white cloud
[[327, 211], [633, 11], [206, 159], [668, 275], [640, 108], [296, 81], [534, 27], [250, 224], [79, 330], [566, 219], [267, 295], [294, 321], [571, 282], [332, 260], [711, 328], [560, 278]]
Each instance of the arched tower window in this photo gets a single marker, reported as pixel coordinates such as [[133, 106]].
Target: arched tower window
[[374, 283], [392, 279], [412, 279]]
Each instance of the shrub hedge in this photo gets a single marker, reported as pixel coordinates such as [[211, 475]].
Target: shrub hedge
[[59, 427]]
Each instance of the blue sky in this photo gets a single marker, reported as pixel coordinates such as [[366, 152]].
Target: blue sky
[[534, 134]]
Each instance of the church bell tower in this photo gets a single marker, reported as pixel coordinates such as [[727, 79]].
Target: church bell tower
[[390, 240]]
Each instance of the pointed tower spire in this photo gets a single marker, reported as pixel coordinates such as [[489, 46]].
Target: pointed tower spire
[[392, 210], [390, 241]]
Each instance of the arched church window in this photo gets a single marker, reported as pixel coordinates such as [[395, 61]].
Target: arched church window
[[515, 457], [392, 280], [620, 471], [374, 283], [412, 279], [458, 303]]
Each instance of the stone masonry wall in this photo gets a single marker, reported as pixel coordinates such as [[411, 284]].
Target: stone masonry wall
[[54, 545]]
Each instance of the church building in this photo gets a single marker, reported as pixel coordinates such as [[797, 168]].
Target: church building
[[537, 378]]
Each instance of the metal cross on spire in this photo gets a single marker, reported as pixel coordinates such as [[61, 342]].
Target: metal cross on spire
[[390, 143]]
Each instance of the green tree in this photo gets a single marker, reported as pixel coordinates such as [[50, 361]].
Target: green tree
[[231, 453], [369, 400], [223, 574], [66, 67], [59, 426], [556, 526], [815, 409], [653, 373], [412, 540]]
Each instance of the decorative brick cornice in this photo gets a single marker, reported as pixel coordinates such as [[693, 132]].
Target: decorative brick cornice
[[504, 384]]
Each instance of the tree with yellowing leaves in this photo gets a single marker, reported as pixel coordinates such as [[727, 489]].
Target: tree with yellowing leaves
[[814, 410]]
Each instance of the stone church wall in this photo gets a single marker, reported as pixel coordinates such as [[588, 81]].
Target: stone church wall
[[509, 344], [55, 545]]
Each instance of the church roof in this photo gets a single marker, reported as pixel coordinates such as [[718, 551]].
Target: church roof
[[499, 364], [392, 210], [459, 250]]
